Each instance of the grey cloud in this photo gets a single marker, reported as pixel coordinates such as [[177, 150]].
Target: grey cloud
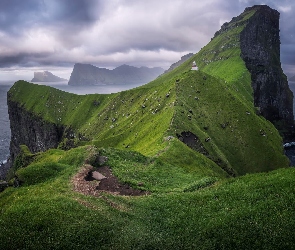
[[15, 14], [71, 13], [22, 59], [177, 28], [92, 30]]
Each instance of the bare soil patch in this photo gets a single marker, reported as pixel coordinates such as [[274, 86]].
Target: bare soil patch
[[112, 184], [84, 183]]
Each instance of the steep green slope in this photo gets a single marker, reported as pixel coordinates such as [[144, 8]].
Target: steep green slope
[[138, 119], [223, 108], [229, 129]]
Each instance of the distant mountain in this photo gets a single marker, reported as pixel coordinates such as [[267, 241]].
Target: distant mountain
[[292, 79], [87, 74], [46, 76], [182, 60]]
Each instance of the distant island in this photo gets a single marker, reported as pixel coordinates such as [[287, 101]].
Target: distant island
[[87, 74], [46, 76]]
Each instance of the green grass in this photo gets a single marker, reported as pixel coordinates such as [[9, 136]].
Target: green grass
[[231, 124], [250, 212]]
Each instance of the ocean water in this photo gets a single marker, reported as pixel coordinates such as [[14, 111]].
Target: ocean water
[[81, 90]]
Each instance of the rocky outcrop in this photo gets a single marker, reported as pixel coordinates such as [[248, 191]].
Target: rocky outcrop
[[260, 49], [31, 130], [87, 74], [46, 76]]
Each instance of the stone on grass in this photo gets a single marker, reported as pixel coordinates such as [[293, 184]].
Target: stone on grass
[[97, 176]]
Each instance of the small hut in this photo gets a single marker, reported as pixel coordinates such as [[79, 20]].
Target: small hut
[[194, 66]]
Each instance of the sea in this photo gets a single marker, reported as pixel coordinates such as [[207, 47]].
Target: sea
[[80, 90]]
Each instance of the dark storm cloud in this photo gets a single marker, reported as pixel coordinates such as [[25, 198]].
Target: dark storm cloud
[[27, 60], [71, 12], [16, 16], [14, 13]]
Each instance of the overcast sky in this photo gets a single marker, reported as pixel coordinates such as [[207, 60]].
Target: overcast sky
[[37, 35]]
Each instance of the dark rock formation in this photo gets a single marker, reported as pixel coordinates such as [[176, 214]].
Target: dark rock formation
[[86, 74], [192, 141], [31, 130], [4, 168], [182, 60], [46, 76], [3, 185], [260, 49]]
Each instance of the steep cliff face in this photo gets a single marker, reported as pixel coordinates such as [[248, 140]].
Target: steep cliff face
[[31, 130], [260, 49]]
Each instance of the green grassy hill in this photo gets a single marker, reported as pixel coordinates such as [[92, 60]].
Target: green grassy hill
[[225, 123], [255, 211], [179, 138], [214, 103]]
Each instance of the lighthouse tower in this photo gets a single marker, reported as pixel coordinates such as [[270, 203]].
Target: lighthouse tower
[[194, 66]]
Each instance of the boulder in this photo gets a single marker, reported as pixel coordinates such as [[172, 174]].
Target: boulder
[[98, 176]]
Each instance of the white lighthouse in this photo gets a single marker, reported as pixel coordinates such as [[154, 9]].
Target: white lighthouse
[[194, 66]]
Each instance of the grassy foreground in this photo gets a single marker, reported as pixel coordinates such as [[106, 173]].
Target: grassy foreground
[[251, 212]]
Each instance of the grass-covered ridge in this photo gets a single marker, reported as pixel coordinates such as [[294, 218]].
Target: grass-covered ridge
[[214, 103], [142, 119]]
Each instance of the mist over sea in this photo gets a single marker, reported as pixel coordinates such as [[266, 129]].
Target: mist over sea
[[80, 90]]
